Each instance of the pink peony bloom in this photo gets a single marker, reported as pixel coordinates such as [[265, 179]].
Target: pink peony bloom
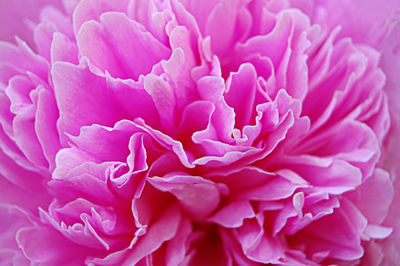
[[188, 132]]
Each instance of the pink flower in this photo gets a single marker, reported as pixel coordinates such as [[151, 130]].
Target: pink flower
[[182, 132]]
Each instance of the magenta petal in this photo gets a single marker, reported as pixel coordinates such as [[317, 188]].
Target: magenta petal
[[220, 128], [146, 13], [30, 238], [45, 125], [241, 90], [57, 17], [162, 230], [104, 143], [362, 153], [202, 110], [272, 190], [377, 231], [371, 30], [198, 196], [375, 196], [251, 183], [343, 241], [233, 214], [23, 59], [25, 136], [11, 149], [211, 88], [18, 175], [340, 176], [25, 198], [315, 207], [177, 70], [148, 51], [63, 49], [197, 9], [168, 143], [92, 44], [75, 174], [77, 105], [18, 91], [13, 220], [137, 164], [177, 247], [257, 246], [164, 99], [88, 224], [87, 10], [134, 99], [43, 37], [23, 97], [220, 25], [288, 26], [115, 50], [12, 14]]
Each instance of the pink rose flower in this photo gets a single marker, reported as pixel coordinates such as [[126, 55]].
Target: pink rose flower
[[183, 132]]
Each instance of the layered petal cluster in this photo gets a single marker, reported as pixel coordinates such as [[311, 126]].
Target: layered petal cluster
[[184, 132]]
